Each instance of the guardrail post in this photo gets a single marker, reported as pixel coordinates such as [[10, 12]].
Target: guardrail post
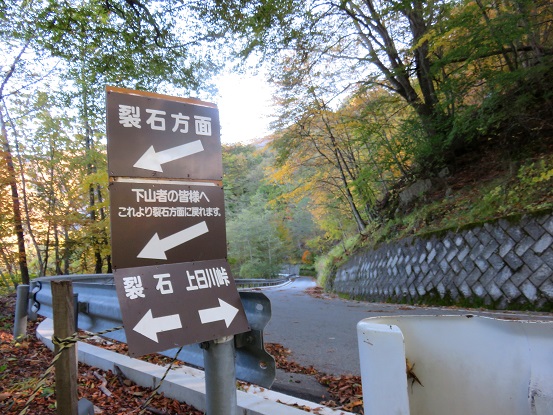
[[66, 365], [220, 377], [20, 321]]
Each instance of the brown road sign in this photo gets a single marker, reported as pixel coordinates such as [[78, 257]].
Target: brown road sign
[[153, 135], [165, 222], [174, 305], [168, 222]]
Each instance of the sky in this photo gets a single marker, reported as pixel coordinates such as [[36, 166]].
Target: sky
[[244, 103]]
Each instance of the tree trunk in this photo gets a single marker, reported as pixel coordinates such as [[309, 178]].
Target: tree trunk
[[66, 250], [57, 258], [91, 169], [375, 37], [105, 240], [12, 182]]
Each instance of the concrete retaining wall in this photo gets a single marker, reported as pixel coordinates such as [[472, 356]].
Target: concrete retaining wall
[[503, 263]]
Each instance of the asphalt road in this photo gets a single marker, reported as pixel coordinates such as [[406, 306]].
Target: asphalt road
[[321, 332]]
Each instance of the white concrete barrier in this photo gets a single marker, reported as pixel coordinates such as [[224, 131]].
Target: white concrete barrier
[[185, 383], [466, 365]]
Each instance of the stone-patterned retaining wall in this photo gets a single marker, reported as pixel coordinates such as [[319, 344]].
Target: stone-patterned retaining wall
[[499, 263]]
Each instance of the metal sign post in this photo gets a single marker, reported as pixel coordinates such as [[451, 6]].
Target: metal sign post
[[168, 232], [219, 369]]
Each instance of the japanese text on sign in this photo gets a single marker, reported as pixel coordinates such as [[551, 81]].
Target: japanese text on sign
[[167, 212], [129, 117], [197, 280], [163, 195]]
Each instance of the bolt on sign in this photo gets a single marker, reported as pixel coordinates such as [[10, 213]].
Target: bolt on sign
[[168, 221]]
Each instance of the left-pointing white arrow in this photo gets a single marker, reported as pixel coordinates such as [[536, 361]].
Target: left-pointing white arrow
[[149, 326], [152, 160], [224, 312], [156, 248]]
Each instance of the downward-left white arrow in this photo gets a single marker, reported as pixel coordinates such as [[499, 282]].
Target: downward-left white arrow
[[156, 248], [149, 326], [225, 311], [152, 160]]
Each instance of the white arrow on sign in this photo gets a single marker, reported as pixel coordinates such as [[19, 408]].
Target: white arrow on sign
[[151, 160], [224, 312], [149, 326], [156, 248]]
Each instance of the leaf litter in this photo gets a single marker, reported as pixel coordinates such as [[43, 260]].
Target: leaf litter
[[22, 364]]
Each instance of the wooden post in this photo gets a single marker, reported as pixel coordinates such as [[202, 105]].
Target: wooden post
[[66, 365]]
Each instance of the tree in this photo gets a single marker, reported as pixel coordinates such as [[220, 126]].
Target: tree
[[496, 59], [242, 176], [8, 166], [126, 43], [54, 178], [255, 248], [110, 43], [373, 42], [262, 232], [459, 65], [352, 154]]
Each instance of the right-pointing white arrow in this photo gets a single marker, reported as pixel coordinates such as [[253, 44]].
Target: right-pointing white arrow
[[224, 312], [149, 326], [152, 160], [156, 248]]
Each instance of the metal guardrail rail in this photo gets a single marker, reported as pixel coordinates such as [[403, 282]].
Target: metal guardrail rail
[[98, 309], [258, 282]]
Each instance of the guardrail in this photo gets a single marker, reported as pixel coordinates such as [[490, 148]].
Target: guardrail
[[464, 365], [97, 309], [258, 282]]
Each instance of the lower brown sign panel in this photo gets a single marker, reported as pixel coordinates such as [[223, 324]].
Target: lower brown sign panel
[[166, 306]]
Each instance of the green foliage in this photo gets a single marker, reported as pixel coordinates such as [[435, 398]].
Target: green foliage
[[326, 264], [528, 191], [255, 247], [264, 229], [242, 176], [496, 71], [308, 270], [8, 283], [372, 95], [119, 43], [64, 55]]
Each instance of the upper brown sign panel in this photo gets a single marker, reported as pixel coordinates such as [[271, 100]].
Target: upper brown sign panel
[[158, 136]]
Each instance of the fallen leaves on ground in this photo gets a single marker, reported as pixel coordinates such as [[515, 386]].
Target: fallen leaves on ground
[[281, 356], [23, 364], [318, 292], [345, 389]]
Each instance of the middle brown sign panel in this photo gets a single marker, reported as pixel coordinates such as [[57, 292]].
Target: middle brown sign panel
[[166, 222]]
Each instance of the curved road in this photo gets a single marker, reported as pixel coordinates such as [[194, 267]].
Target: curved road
[[322, 331]]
